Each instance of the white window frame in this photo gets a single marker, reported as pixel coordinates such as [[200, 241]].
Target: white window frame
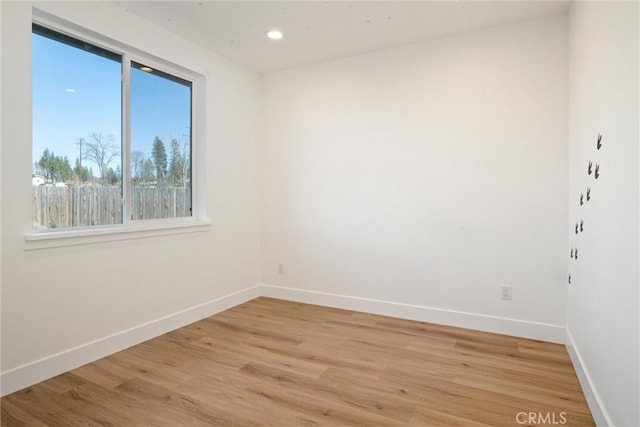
[[133, 229]]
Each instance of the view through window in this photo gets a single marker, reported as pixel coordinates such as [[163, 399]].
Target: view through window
[[78, 145], [160, 162]]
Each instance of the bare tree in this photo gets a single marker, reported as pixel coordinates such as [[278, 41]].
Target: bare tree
[[186, 161], [148, 171], [137, 165], [101, 150]]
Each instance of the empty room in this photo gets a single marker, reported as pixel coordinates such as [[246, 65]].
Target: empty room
[[320, 213]]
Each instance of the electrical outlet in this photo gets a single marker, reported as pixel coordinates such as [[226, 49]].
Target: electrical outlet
[[506, 293], [280, 268]]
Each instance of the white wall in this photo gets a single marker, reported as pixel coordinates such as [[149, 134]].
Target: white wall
[[61, 307], [603, 299], [429, 174]]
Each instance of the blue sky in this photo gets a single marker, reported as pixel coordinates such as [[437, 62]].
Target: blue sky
[[76, 93]]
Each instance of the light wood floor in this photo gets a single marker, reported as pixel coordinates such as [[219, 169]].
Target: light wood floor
[[271, 362]]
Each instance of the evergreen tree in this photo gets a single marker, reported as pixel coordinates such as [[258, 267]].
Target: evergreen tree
[[159, 156], [54, 168], [64, 170], [112, 177], [176, 165]]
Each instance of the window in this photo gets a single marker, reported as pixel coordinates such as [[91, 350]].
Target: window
[[112, 135]]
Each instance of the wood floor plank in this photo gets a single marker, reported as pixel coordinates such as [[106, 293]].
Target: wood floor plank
[[475, 354], [424, 416], [15, 416], [279, 363]]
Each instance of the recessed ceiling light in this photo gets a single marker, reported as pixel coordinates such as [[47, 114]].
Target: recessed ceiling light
[[146, 69], [275, 35]]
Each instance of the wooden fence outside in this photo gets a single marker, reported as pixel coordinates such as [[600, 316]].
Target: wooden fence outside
[[58, 207]]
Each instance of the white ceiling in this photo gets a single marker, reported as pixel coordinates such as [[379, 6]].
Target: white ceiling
[[319, 31]]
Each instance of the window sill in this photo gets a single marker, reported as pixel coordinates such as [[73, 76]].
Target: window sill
[[87, 236]]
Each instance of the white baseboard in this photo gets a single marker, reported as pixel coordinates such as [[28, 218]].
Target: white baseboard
[[481, 322], [48, 367], [598, 410]]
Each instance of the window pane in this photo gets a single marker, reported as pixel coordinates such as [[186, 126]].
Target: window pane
[[160, 144], [77, 101]]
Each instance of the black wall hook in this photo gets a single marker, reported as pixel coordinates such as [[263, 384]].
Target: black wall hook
[[597, 172], [588, 194], [575, 253], [576, 228], [581, 226], [571, 253], [581, 199], [569, 280], [590, 167], [599, 143]]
